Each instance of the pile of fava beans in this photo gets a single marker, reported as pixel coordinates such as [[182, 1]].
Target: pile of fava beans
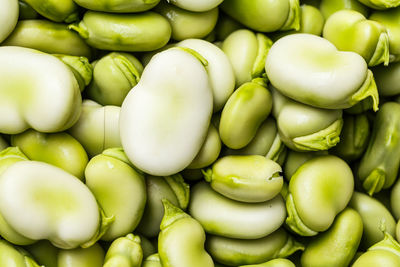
[[199, 133]]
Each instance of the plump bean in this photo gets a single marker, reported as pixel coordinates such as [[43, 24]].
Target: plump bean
[[63, 199], [119, 189], [97, 127], [234, 252], [197, 6], [143, 126], [145, 31], [222, 216], [172, 188], [347, 29], [295, 159], [38, 81], [380, 4], [306, 128], [49, 37], [9, 11], [124, 251], [44, 253], [379, 165], [243, 114], [329, 184], [250, 178], [181, 240], [247, 52], [265, 16], [56, 10], [187, 24], [118, 6], [338, 245], [373, 214], [152, 261], [342, 81], [58, 149], [395, 200], [114, 75]]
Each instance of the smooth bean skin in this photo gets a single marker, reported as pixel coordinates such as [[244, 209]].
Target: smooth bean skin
[[318, 191], [118, 188], [349, 30], [56, 10], [97, 127], [306, 128], [219, 68], [387, 79], [243, 114], [152, 261], [172, 188], [26, 11], [247, 52], [187, 24], [390, 19], [384, 253], [338, 245], [273, 263], [145, 31], [81, 257], [197, 6], [114, 75], [80, 67], [181, 240], [380, 4], [124, 251], [343, 79], [328, 7], [48, 37], [15, 257], [264, 16], [295, 159], [118, 6], [353, 138], [373, 213], [9, 11], [64, 198], [210, 150], [234, 252], [222, 216], [266, 143], [58, 149], [164, 85], [37, 91], [251, 178], [379, 165], [44, 253]]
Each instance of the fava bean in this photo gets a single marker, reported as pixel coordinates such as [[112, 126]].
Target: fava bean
[[329, 184], [81, 257], [124, 251], [118, 6], [250, 178], [9, 11], [56, 10], [222, 216], [328, 7], [320, 75], [148, 123], [349, 30], [181, 240], [124, 32], [49, 37]]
